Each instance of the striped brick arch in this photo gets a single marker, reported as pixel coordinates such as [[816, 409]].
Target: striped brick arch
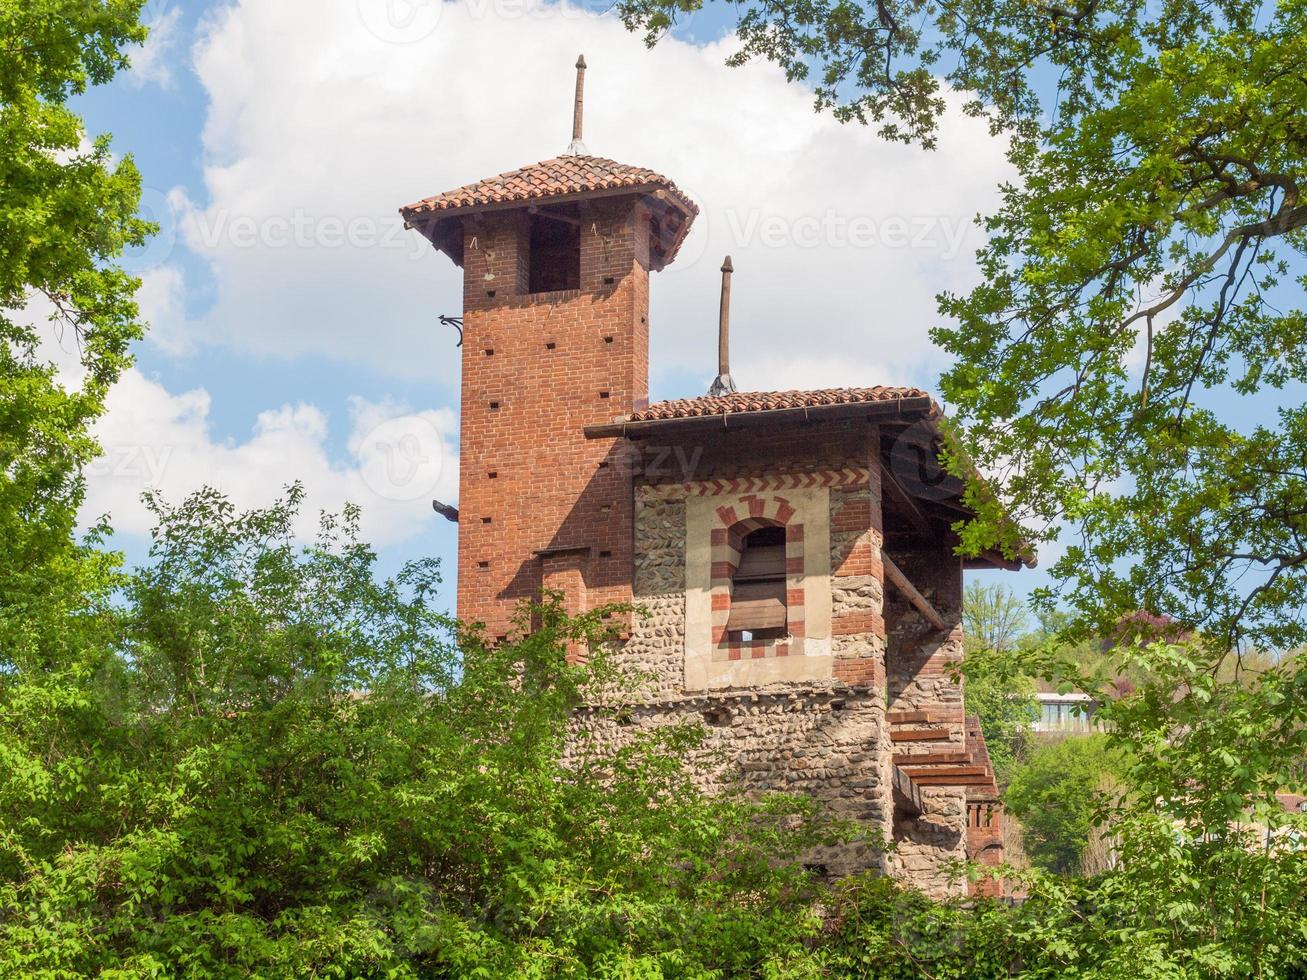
[[734, 523]]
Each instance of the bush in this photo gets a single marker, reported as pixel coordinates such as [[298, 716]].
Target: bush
[[262, 761], [276, 766], [1053, 793]]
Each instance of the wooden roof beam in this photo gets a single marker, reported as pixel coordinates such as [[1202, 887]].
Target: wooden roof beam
[[919, 601], [903, 501], [993, 559]]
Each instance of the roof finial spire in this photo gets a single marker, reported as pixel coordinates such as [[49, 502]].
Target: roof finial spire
[[724, 385], [577, 148]]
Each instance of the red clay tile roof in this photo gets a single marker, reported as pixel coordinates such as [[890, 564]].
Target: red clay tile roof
[[548, 178], [767, 401], [1292, 802]]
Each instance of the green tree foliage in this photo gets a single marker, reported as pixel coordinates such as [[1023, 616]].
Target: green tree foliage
[[1003, 699], [997, 691], [1054, 792], [1210, 873], [1218, 850], [258, 759], [1132, 363], [282, 767], [67, 211], [877, 930], [993, 617], [1129, 373]]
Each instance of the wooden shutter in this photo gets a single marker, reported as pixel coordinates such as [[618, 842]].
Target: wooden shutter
[[757, 605], [765, 562]]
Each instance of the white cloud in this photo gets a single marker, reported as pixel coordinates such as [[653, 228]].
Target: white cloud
[[161, 299], [398, 460], [152, 62], [324, 118]]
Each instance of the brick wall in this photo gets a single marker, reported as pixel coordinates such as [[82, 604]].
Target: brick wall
[[605, 520], [537, 369], [985, 843]]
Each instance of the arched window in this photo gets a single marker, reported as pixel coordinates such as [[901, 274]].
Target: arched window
[[758, 605]]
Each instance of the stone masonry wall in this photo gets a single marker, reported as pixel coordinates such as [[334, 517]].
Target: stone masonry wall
[[917, 659], [826, 738], [819, 742]]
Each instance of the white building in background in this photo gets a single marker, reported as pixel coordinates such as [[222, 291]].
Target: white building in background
[[1065, 714]]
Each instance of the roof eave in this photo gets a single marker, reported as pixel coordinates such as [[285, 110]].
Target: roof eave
[[428, 222], [918, 406], [414, 214]]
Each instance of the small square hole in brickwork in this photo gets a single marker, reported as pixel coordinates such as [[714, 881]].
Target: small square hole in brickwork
[[605, 554], [485, 520], [490, 293], [550, 346], [603, 464], [608, 340], [483, 564], [490, 352], [609, 280], [603, 394], [494, 406], [492, 475]]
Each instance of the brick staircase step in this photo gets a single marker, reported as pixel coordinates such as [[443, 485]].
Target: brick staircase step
[[932, 758], [916, 771], [927, 715], [930, 779], [919, 735]]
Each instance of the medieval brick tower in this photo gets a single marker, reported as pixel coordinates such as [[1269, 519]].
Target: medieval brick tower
[[556, 259], [792, 549]]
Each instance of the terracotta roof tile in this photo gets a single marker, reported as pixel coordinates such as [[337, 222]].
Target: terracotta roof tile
[[548, 178], [1292, 802], [766, 401]]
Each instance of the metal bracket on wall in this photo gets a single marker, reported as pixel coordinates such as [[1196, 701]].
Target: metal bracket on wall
[[457, 323]]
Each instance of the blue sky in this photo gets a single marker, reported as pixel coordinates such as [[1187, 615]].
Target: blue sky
[[294, 326]]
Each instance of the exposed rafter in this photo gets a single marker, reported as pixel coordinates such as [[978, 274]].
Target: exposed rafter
[[993, 559], [903, 501]]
